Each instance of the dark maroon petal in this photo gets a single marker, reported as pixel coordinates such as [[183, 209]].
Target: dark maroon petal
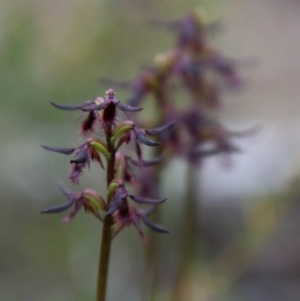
[[127, 108], [142, 138], [88, 123], [61, 150], [154, 227], [59, 208], [141, 200], [146, 163], [160, 129]]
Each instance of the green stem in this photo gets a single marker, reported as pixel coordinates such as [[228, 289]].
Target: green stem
[[187, 240], [107, 227]]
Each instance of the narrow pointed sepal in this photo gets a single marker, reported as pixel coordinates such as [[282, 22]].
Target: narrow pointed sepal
[[81, 157], [87, 106], [59, 208], [141, 200], [160, 129], [97, 107], [66, 192], [114, 204], [154, 227], [61, 150], [70, 107], [127, 108], [142, 138]]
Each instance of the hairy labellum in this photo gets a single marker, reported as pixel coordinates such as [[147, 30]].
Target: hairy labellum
[[109, 115], [88, 123]]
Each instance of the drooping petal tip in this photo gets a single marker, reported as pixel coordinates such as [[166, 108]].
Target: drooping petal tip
[[58, 208], [61, 150]]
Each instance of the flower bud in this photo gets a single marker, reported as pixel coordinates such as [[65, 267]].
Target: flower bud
[[100, 146], [121, 129], [94, 203], [112, 188]]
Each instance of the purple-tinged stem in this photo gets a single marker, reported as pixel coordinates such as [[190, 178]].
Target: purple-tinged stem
[[107, 227]]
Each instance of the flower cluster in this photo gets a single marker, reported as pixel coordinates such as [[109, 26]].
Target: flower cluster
[[103, 112]]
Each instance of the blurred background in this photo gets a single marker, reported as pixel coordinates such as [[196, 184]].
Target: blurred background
[[250, 211]]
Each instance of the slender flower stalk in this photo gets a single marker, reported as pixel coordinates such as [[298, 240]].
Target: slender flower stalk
[[107, 223], [116, 212]]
